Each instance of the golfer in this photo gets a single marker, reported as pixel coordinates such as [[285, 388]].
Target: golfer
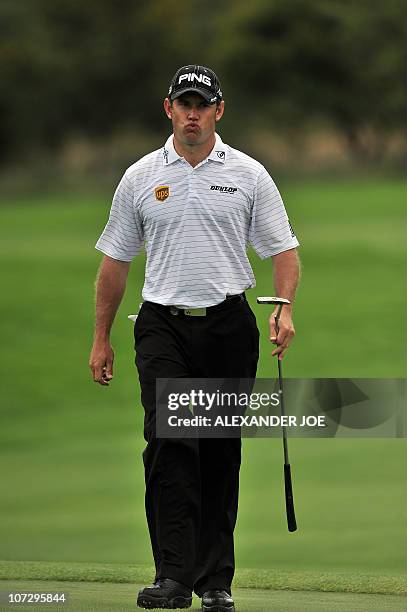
[[195, 205]]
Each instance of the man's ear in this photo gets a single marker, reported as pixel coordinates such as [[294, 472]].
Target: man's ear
[[168, 108], [220, 110]]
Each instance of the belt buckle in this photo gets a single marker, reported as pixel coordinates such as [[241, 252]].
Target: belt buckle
[[195, 312]]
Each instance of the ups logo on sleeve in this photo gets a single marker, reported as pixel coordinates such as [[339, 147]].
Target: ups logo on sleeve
[[162, 193]]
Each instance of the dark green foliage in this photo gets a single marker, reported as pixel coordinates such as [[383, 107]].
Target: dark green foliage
[[93, 67]]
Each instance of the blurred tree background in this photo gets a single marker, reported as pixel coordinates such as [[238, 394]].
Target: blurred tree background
[[317, 82]]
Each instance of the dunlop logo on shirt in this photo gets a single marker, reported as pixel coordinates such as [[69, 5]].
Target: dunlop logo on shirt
[[225, 189], [162, 193]]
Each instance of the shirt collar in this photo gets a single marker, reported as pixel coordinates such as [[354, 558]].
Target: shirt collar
[[169, 153], [218, 153]]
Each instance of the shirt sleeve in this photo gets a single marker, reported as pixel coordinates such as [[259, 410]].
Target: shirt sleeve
[[270, 229], [123, 236]]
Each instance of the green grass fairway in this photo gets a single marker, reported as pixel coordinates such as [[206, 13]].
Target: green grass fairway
[[338, 582], [70, 451], [96, 597]]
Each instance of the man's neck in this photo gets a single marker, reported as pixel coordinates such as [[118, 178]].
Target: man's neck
[[194, 154]]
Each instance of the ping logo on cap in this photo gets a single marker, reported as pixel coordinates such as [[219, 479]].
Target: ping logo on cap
[[191, 76], [197, 79], [162, 192]]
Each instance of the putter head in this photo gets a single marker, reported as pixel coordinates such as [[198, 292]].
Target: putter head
[[272, 300]]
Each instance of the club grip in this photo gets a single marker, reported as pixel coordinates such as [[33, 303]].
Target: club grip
[[289, 500]]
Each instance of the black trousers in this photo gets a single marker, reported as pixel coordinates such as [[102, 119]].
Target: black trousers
[[192, 484]]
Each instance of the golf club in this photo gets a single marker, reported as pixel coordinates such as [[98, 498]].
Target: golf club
[[289, 500]]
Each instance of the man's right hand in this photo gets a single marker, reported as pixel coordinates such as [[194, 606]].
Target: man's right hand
[[101, 362]]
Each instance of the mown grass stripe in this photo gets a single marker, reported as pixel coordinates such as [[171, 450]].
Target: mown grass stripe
[[245, 578]]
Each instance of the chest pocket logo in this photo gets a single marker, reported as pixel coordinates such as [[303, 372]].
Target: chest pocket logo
[[162, 193]]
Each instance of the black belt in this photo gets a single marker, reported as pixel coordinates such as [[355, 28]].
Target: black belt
[[203, 312]]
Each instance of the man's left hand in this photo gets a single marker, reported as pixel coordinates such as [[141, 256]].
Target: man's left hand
[[285, 334]]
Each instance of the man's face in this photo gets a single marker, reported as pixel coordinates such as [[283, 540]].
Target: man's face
[[193, 119]]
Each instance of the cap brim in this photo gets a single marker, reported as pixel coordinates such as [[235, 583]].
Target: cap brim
[[210, 98]]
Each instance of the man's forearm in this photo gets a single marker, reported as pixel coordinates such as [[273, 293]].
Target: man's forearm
[[110, 287], [286, 272]]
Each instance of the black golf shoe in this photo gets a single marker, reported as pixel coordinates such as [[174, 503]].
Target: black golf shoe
[[165, 593], [217, 601]]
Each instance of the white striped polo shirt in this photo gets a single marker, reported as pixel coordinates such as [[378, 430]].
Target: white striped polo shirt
[[196, 224]]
